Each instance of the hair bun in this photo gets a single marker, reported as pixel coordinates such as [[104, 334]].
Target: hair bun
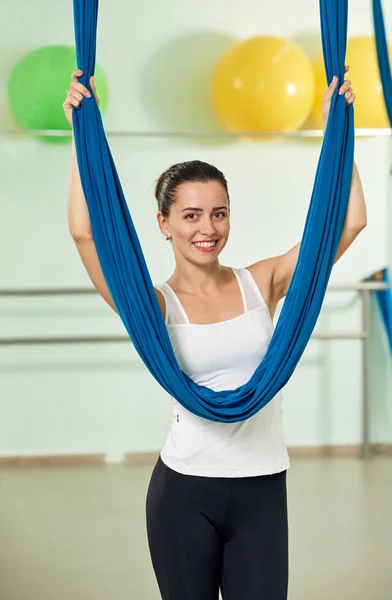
[[180, 173]]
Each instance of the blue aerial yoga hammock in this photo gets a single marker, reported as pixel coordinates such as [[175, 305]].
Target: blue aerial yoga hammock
[[382, 55], [125, 269], [384, 297]]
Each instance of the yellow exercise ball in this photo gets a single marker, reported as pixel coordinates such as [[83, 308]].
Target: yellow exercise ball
[[369, 107], [264, 83]]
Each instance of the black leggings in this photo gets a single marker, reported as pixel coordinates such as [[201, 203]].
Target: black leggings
[[211, 533]]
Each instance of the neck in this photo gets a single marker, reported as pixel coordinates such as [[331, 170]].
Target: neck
[[198, 279]]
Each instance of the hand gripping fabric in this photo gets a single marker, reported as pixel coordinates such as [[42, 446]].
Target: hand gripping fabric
[[125, 269]]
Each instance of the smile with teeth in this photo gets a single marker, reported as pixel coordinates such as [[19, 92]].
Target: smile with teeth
[[205, 246]]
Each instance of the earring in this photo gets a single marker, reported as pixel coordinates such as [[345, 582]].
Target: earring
[[167, 238]]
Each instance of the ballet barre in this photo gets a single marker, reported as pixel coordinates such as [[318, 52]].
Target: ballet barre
[[364, 288]]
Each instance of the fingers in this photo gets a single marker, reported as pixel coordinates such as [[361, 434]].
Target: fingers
[[71, 102], [79, 90], [334, 81], [332, 87], [76, 74], [345, 87], [75, 97], [347, 91], [350, 97]]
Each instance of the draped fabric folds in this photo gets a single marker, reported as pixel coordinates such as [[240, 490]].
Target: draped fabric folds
[[382, 55], [384, 297], [125, 269]]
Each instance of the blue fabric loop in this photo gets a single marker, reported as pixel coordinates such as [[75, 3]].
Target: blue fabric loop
[[125, 269], [384, 297]]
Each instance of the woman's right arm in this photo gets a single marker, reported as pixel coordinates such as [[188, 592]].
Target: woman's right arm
[[78, 215], [80, 229]]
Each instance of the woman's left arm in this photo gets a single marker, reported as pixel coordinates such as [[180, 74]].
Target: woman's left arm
[[281, 268], [356, 209]]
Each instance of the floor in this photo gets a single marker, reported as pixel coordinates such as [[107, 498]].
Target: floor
[[79, 533]]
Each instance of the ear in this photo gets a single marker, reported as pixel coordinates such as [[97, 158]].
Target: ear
[[162, 223]]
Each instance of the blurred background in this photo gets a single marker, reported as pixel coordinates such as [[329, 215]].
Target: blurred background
[[81, 423]]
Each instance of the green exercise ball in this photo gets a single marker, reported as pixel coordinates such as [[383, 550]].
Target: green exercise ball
[[37, 89]]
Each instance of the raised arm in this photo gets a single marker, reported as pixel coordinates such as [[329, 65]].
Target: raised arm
[[274, 275], [78, 215]]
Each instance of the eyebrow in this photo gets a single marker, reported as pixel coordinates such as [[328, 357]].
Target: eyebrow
[[201, 210]]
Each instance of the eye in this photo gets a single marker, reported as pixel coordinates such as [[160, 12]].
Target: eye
[[220, 215], [191, 216]]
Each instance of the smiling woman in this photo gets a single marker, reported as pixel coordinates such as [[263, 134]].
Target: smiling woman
[[194, 206], [219, 326]]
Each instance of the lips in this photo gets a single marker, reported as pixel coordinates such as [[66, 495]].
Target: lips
[[205, 246]]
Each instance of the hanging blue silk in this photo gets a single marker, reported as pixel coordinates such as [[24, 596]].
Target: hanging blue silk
[[384, 297], [382, 55], [385, 303], [125, 269]]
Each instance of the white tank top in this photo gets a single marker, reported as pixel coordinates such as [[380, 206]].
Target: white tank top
[[224, 356]]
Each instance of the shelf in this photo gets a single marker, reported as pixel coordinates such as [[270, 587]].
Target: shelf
[[308, 133]]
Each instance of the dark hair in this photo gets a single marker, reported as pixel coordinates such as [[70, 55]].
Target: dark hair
[[170, 180]]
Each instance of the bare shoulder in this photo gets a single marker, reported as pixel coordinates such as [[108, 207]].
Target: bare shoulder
[[161, 300], [263, 273]]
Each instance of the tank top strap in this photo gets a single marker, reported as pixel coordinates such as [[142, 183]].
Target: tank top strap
[[174, 314], [253, 296]]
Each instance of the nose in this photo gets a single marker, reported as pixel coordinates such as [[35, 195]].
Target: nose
[[207, 227]]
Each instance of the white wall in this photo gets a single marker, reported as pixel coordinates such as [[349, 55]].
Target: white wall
[[101, 398]]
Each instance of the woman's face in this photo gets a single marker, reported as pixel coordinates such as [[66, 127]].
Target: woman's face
[[199, 221]]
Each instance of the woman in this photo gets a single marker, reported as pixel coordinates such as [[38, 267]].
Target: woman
[[216, 504]]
